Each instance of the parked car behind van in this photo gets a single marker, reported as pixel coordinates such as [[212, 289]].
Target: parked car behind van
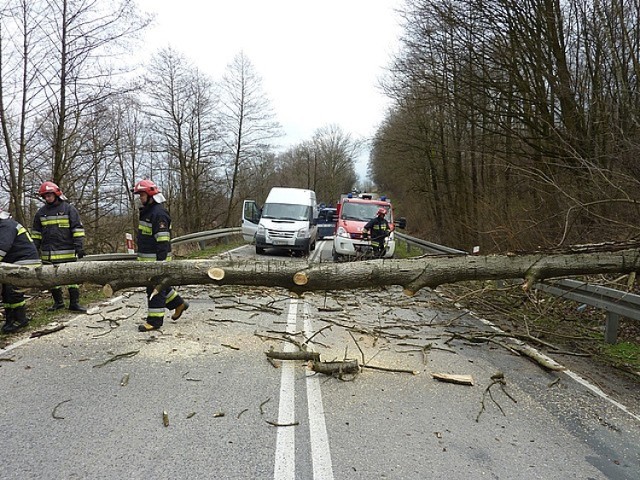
[[327, 218]]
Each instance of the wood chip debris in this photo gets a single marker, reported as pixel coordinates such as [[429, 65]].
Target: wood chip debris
[[453, 378], [47, 331], [165, 418]]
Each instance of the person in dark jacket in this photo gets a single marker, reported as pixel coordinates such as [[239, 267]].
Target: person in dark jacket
[[59, 235], [378, 229], [17, 247], [154, 244]]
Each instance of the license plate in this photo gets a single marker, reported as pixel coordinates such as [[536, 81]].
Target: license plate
[[280, 242]]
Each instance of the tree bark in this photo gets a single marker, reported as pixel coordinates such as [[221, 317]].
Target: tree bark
[[299, 276]]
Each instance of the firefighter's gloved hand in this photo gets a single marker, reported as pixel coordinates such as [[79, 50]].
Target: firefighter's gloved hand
[[79, 253]]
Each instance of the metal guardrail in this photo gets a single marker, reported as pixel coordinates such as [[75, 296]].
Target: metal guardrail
[[207, 235], [191, 237], [615, 303], [429, 246]]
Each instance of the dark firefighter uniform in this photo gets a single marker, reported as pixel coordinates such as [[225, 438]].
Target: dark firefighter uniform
[[378, 228], [59, 235], [58, 232], [154, 244], [17, 247]]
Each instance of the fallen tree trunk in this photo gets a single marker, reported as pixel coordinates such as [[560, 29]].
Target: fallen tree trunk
[[299, 276]]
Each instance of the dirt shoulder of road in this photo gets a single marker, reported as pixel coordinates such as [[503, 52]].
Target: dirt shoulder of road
[[573, 329]]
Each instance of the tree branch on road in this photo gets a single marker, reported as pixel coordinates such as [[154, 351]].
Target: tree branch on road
[[301, 276]]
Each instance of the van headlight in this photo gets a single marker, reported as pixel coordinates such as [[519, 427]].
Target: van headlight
[[260, 230], [341, 232], [303, 232]]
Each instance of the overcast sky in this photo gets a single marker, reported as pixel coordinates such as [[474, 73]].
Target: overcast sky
[[320, 60]]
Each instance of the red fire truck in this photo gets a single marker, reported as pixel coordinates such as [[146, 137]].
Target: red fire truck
[[353, 212]]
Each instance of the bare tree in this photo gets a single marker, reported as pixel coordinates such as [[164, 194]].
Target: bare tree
[[182, 104], [248, 123], [81, 35], [335, 153], [522, 116], [18, 82]]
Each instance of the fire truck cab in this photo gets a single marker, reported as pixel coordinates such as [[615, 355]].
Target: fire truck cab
[[354, 211]]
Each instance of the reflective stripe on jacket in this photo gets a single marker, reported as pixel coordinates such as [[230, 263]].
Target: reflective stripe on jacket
[[154, 233], [379, 228], [16, 245]]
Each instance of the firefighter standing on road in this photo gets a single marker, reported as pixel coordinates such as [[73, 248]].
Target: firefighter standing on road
[[154, 244], [17, 247], [59, 235], [378, 229]]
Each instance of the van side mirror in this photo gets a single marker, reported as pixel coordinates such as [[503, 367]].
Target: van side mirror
[[401, 223]]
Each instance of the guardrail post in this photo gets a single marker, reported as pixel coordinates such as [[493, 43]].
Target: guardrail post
[[611, 328]]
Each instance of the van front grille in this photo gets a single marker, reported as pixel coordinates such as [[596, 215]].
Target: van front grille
[[279, 234]]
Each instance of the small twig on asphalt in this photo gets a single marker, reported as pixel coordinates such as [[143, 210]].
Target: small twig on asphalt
[[117, 357], [241, 412], [263, 404], [319, 331], [361, 352], [55, 409], [497, 378], [275, 424]]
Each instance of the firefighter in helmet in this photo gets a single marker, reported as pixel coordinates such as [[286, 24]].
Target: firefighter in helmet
[[59, 235], [154, 244], [16, 246], [378, 229]]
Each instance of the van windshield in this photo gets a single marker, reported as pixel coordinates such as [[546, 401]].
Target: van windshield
[[285, 211], [362, 212]]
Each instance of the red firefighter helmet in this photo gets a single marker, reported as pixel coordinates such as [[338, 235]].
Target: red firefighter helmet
[[382, 211], [146, 186], [50, 187]]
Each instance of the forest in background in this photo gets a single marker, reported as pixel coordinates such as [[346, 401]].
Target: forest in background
[[514, 123], [513, 126]]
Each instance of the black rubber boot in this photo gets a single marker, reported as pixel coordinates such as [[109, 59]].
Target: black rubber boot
[[19, 320], [8, 321], [74, 299], [58, 300]]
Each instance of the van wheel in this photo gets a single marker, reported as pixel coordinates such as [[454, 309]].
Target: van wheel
[[336, 257], [313, 245], [259, 250]]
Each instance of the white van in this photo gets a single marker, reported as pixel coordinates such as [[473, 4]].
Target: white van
[[288, 220]]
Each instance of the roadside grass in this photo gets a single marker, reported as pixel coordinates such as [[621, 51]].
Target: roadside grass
[[39, 301], [624, 355], [404, 250]]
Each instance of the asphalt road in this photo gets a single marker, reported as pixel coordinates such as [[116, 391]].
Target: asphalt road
[[87, 402]]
